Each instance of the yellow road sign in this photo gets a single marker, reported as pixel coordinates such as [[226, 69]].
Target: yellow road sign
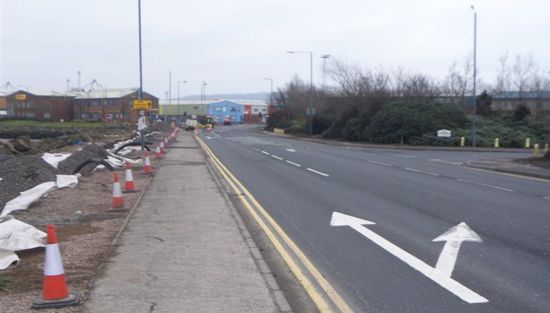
[[143, 104]]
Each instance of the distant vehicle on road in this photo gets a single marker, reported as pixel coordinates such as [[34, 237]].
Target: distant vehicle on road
[[227, 120], [190, 124]]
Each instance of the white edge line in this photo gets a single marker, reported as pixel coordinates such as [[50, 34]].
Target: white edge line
[[484, 185], [295, 164], [317, 172]]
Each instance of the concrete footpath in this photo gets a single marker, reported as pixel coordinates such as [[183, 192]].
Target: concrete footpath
[[185, 249]]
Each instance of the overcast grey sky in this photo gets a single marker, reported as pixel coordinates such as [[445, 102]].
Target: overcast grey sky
[[233, 44]]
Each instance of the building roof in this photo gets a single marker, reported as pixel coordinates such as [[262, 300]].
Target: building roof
[[524, 95], [103, 94]]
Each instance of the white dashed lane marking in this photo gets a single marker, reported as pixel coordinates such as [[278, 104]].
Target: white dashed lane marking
[[379, 163], [317, 172], [265, 152], [295, 164], [276, 157]]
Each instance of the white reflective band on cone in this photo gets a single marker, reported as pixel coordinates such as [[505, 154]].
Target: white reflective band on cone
[[129, 176], [53, 265], [117, 191]]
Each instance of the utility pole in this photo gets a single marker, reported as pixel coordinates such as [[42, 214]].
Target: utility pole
[[140, 93], [170, 87], [178, 104], [474, 102]]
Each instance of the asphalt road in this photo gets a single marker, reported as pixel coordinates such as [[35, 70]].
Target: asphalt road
[[413, 197]]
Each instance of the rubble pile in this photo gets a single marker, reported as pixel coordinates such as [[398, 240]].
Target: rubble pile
[[22, 173], [90, 152]]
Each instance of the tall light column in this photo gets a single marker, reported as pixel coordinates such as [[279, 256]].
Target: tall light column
[[474, 102], [310, 111], [179, 82]]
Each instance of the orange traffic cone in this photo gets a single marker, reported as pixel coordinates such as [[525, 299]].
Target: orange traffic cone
[[147, 168], [118, 201], [55, 293], [158, 152], [129, 179]]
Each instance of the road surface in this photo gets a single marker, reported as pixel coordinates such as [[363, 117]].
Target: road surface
[[498, 262]]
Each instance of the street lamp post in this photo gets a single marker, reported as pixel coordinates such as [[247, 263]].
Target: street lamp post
[[310, 111], [324, 57], [179, 82], [140, 93], [203, 92], [474, 102], [271, 90]]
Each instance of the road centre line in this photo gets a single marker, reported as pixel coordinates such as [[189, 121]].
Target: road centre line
[[298, 272], [484, 185], [265, 152], [379, 163], [317, 172], [547, 197], [295, 164], [276, 157]]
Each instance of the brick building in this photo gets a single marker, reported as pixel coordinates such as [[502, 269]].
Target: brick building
[[24, 104], [110, 105]]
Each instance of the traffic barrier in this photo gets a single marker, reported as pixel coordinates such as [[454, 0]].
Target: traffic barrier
[[147, 167], [166, 142], [55, 293], [158, 153], [497, 143], [527, 143], [462, 141], [118, 200], [536, 150], [162, 147], [129, 185]]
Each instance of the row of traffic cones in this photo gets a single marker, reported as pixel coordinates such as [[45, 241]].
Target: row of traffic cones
[[55, 292]]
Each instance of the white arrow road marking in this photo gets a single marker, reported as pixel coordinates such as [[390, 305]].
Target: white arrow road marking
[[291, 150], [453, 240], [461, 291]]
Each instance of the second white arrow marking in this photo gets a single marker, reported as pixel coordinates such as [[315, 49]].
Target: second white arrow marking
[[438, 276]]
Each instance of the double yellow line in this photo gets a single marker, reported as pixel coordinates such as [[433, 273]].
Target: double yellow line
[[277, 237]]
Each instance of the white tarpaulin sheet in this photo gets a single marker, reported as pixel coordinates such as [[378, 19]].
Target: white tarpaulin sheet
[[16, 236], [66, 181], [54, 158], [27, 197]]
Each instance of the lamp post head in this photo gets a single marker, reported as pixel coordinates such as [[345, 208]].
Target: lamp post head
[[325, 56], [291, 52]]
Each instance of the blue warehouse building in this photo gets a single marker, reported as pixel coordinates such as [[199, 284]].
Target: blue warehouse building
[[226, 110]]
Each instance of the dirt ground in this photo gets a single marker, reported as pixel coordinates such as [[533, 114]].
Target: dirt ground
[[86, 226]]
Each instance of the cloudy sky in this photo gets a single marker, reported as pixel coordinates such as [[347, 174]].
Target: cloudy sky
[[234, 44]]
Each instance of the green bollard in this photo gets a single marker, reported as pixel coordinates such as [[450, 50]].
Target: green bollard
[[462, 141], [497, 143]]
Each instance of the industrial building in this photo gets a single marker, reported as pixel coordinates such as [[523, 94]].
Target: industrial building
[[46, 107], [92, 105], [110, 105], [226, 111]]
